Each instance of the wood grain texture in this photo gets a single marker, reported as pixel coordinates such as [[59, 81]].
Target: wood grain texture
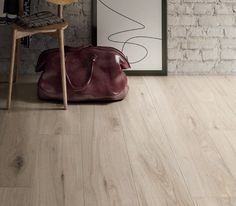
[[226, 88], [157, 175], [107, 173], [18, 144], [231, 136], [15, 196], [58, 172], [201, 162], [170, 142], [209, 201], [53, 121], [172, 109], [211, 107]]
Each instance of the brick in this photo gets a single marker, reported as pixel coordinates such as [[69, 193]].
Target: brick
[[195, 67], [228, 54], [193, 55], [224, 9], [178, 32], [226, 67], [172, 66], [215, 32], [204, 9], [178, 9], [184, 20], [208, 55], [175, 54], [209, 44], [199, 43], [222, 20], [230, 32], [173, 43], [197, 32], [228, 43]]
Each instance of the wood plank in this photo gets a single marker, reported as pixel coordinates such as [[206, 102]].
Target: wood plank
[[107, 174], [231, 136], [225, 145], [163, 145], [226, 88], [15, 197], [17, 155], [214, 201], [17, 150], [55, 121], [195, 151], [18, 137], [156, 173], [43, 117], [171, 108], [211, 108], [58, 172]]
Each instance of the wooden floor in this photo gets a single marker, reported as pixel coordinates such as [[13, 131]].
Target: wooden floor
[[171, 142]]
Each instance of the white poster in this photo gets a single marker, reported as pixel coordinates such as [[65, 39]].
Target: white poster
[[135, 28]]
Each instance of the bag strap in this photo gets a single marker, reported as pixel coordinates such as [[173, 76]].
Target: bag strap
[[87, 82]]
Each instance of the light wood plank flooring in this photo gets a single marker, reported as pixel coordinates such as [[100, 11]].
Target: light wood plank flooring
[[171, 142]]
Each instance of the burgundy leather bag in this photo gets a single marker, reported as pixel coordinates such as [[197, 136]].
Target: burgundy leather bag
[[93, 74]]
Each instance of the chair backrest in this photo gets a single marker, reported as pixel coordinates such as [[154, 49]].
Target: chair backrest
[[62, 2]]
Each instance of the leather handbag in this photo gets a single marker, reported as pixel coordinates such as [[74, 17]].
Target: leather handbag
[[93, 74]]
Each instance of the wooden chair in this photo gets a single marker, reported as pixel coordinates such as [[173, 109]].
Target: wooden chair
[[55, 30]]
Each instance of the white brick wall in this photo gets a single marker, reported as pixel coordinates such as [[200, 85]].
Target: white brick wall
[[202, 36]]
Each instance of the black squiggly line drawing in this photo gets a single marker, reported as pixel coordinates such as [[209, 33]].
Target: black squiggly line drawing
[[127, 42]]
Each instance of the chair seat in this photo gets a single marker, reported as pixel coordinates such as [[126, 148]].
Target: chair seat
[[42, 29], [39, 20]]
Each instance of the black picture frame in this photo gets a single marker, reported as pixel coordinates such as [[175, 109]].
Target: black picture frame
[[164, 71]]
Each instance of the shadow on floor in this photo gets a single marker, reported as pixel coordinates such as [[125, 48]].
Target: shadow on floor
[[27, 93]]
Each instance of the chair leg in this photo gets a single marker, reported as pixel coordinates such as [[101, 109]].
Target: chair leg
[[11, 70], [17, 60], [63, 67]]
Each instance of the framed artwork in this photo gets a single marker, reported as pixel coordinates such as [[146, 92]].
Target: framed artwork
[[137, 28]]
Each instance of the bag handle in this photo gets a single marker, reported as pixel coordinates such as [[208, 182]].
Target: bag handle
[[88, 81]]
